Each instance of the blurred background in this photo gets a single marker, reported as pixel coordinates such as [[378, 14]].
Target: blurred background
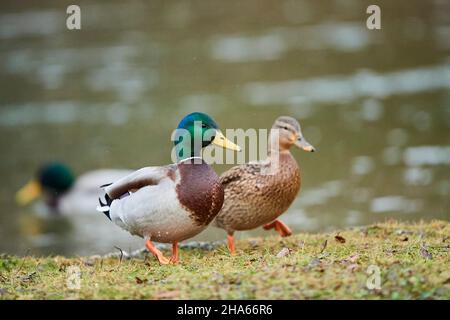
[[375, 103]]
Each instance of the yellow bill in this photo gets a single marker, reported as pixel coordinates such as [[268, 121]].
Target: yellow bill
[[221, 141], [31, 191]]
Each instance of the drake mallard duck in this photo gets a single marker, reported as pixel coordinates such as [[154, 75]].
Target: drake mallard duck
[[174, 202], [63, 192], [254, 198]]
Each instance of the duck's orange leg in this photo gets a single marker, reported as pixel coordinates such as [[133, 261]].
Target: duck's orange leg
[[174, 258], [230, 240], [280, 227], [158, 254]]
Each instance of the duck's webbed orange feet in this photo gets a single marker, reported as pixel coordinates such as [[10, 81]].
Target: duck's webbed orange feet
[[230, 241], [280, 227], [175, 259], [158, 254]]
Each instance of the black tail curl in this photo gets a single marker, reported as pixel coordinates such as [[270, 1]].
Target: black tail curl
[[107, 203]]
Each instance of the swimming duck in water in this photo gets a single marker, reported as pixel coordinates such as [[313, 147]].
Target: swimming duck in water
[[174, 202], [257, 193], [64, 193]]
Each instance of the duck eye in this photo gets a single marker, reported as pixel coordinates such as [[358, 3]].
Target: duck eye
[[204, 125], [285, 128]]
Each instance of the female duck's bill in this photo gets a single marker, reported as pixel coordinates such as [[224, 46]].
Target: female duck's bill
[[305, 145]]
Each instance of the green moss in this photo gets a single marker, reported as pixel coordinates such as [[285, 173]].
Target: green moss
[[413, 260]]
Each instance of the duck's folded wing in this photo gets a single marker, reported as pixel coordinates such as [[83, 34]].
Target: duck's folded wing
[[138, 179], [238, 173]]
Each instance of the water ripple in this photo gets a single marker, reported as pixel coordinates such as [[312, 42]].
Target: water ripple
[[334, 88]]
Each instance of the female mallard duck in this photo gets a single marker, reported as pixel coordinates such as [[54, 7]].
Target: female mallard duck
[[256, 197], [174, 202], [63, 192]]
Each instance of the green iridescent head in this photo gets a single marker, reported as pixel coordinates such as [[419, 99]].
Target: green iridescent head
[[56, 177], [53, 178], [196, 131]]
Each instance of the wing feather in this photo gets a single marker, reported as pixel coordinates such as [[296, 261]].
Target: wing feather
[[139, 179], [239, 172]]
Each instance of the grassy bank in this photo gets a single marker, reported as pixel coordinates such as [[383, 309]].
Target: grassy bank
[[413, 259]]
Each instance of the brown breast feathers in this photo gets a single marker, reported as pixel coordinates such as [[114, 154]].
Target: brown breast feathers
[[199, 191], [254, 199]]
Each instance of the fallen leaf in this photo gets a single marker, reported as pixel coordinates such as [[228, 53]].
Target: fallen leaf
[[339, 238], [167, 294], [140, 281], [283, 253]]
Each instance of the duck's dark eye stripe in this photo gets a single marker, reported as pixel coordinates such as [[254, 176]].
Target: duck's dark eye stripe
[[282, 127]]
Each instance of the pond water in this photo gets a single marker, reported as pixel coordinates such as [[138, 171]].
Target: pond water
[[375, 103]]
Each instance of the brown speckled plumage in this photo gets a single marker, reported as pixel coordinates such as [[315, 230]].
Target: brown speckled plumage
[[200, 191], [253, 199]]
